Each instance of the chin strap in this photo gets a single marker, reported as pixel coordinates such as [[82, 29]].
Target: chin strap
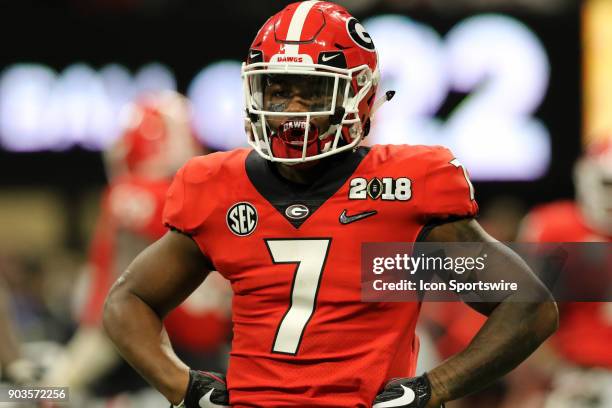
[[337, 117]]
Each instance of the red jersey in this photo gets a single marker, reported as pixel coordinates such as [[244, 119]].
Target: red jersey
[[135, 204], [585, 330], [302, 335], [130, 203]]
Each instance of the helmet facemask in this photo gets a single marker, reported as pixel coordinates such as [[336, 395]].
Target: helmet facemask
[[303, 112]]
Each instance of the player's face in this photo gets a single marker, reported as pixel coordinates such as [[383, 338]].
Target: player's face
[[299, 93]]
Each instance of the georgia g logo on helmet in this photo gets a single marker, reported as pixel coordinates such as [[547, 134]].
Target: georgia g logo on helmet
[[358, 34]]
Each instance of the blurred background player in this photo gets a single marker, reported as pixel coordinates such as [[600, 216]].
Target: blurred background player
[[14, 368], [156, 140], [579, 355]]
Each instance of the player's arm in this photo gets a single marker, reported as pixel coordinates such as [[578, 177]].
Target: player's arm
[[514, 329], [157, 281]]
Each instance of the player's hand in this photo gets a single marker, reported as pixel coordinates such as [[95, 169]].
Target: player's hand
[[206, 390], [412, 392]]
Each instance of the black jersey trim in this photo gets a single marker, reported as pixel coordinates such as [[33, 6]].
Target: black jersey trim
[[425, 230], [282, 193], [430, 225], [175, 229]]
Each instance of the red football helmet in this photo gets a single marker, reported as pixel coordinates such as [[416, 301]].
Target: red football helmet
[[156, 137], [309, 80], [593, 180]]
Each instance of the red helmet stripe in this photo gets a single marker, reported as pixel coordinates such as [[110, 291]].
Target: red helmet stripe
[[297, 24]]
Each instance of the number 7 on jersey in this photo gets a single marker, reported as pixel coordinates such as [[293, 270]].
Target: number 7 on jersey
[[310, 255]]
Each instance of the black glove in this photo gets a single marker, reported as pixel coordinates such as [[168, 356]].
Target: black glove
[[206, 390], [405, 393]]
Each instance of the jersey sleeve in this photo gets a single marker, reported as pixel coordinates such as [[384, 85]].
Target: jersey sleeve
[[189, 200], [173, 216], [448, 192], [135, 206], [559, 221]]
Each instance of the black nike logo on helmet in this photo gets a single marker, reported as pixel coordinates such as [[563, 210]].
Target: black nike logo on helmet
[[347, 219]]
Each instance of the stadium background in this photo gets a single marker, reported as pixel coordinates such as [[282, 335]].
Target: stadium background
[[52, 170]]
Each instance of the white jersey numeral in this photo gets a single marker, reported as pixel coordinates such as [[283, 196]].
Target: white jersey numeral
[[457, 163], [310, 256], [358, 189]]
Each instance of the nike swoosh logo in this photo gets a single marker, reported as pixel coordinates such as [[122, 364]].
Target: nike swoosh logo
[[205, 402], [407, 398], [326, 58], [346, 219], [253, 54]]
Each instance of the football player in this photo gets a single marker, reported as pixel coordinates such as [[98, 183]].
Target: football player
[[581, 347], [156, 140], [284, 223]]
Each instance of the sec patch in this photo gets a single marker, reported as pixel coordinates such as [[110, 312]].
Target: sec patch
[[242, 219]]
